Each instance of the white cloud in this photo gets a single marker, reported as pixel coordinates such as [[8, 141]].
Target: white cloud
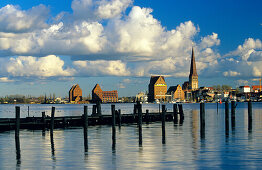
[[12, 19], [5, 80], [231, 73], [247, 59], [210, 41], [48, 66], [95, 10], [101, 68]]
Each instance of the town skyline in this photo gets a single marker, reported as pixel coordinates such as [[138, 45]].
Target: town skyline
[[46, 47]]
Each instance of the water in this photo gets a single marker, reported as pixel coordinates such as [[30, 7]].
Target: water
[[183, 148]]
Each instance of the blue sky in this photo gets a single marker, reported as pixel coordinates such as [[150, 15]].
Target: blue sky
[[47, 46]]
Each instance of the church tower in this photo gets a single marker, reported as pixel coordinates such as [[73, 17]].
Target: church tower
[[193, 77]]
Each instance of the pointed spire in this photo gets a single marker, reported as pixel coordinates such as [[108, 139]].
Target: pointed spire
[[193, 71]]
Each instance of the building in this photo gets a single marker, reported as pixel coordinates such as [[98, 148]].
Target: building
[[244, 89], [256, 88], [193, 77], [75, 93], [98, 95], [157, 88], [142, 97], [185, 86], [176, 92]]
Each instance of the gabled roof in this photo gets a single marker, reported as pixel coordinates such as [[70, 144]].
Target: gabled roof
[[97, 87], [154, 79]]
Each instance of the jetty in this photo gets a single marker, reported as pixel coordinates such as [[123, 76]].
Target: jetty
[[96, 118]]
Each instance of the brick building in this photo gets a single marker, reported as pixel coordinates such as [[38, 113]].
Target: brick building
[[104, 96], [75, 93], [176, 92], [157, 88]]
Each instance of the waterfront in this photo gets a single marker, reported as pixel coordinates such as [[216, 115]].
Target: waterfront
[[183, 147]]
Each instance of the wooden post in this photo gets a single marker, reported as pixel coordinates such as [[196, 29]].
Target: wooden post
[[139, 108], [217, 107], [147, 116], [181, 113], [52, 120], [113, 126], [135, 109], [233, 114], [43, 121], [85, 125], [202, 120], [28, 111], [94, 110], [17, 128], [175, 112], [98, 105], [119, 117], [17, 122], [163, 124], [249, 116], [226, 118]]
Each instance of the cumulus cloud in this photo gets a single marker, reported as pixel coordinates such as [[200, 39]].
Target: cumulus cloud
[[48, 66], [246, 60], [103, 38], [94, 9], [12, 19], [101, 68]]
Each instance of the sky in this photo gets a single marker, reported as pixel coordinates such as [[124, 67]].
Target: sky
[[47, 46]]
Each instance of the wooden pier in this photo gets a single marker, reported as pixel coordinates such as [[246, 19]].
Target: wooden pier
[[37, 123]]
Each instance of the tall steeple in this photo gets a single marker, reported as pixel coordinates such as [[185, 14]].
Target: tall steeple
[[193, 71], [193, 77]]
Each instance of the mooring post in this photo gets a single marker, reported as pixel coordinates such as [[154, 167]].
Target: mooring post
[[52, 120], [226, 118], [233, 114], [147, 116], [181, 113], [27, 111], [113, 126], [202, 120], [249, 115], [175, 112], [119, 117], [139, 108], [163, 124], [98, 105], [17, 128], [94, 110], [43, 121], [217, 107], [85, 125], [17, 122]]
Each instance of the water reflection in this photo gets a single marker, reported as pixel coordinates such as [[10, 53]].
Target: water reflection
[[18, 151], [52, 146], [184, 148]]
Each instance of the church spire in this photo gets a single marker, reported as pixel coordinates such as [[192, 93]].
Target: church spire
[[193, 71]]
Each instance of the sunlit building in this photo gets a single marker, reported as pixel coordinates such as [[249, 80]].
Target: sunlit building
[[98, 95], [157, 88], [75, 93]]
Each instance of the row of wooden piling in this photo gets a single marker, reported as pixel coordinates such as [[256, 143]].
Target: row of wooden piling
[[116, 115], [233, 116]]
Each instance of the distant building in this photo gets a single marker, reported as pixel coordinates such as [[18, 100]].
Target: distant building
[[75, 93], [256, 88], [176, 92], [97, 94], [157, 88], [244, 89], [185, 86], [104, 96], [193, 77], [142, 97]]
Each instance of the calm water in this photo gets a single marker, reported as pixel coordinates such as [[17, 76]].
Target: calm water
[[184, 149]]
